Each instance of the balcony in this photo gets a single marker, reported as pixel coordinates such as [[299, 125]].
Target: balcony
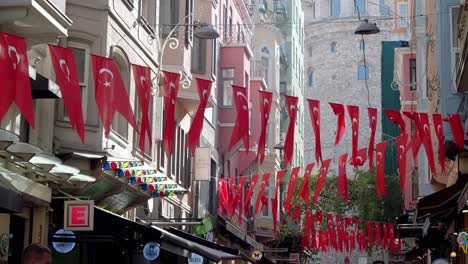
[[41, 18]]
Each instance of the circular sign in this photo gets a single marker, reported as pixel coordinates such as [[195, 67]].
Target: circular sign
[[440, 261], [151, 251], [4, 241], [257, 255], [195, 259], [64, 247]]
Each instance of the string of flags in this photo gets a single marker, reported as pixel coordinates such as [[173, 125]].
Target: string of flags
[[111, 97]]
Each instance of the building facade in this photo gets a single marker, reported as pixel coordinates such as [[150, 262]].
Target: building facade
[[328, 49]]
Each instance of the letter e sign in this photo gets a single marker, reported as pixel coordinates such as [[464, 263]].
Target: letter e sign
[[78, 215]]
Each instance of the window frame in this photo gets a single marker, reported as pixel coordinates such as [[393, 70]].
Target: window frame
[[337, 4], [311, 78], [366, 68], [136, 135], [223, 89], [364, 9], [454, 48], [199, 51], [84, 86], [144, 13], [402, 19], [117, 52], [413, 74]]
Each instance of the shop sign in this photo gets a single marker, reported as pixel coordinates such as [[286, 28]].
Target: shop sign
[[64, 247], [202, 164], [257, 255], [151, 251], [79, 215], [195, 259]]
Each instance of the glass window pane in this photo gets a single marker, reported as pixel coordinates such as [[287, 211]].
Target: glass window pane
[[335, 8], [80, 57]]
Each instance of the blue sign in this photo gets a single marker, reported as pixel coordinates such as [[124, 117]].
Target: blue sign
[[195, 259], [64, 247], [151, 251]]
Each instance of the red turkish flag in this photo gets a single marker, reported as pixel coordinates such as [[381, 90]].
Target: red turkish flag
[[348, 221], [170, 91], [385, 236], [321, 180], [425, 131], [360, 159], [241, 128], [110, 93], [399, 245], [291, 105], [342, 178], [237, 201], [223, 196], [372, 113], [391, 238], [416, 139], [378, 234], [14, 69], [352, 241], [370, 238], [457, 130], [309, 230], [304, 188], [291, 189], [240, 190], [401, 152], [319, 216], [297, 214], [204, 91], [353, 112], [142, 77], [66, 74], [340, 232], [332, 231], [265, 180], [314, 111], [395, 117], [339, 111], [249, 193], [439, 130], [380, 164], [265, 107]]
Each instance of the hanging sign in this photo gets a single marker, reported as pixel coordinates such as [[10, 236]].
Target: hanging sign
[[151, 251], [195, 259], [79, 215], [64, 247], [257, 255], [202, 164]]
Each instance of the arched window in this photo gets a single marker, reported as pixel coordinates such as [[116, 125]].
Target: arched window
[[335, 8], [333, 47], [362, 44], [310, 78], [361, 6], [363, 72], [265, 62], [119, 123]]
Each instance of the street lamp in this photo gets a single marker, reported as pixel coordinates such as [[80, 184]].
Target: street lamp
[[366, 28], [202, 31]]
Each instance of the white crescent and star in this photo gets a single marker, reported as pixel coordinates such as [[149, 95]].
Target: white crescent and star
[[11, 50], [359, 158], [426, 128], [105, 70], [379, 156], [172, 86], [204, 93], [243, 96], [66, 70]]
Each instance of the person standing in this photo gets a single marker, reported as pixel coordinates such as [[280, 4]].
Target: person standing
[[36, 254]]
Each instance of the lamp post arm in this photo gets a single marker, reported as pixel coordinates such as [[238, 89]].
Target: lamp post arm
[[173, 43]]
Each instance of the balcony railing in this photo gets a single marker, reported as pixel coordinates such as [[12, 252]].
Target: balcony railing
[[237, 34]]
